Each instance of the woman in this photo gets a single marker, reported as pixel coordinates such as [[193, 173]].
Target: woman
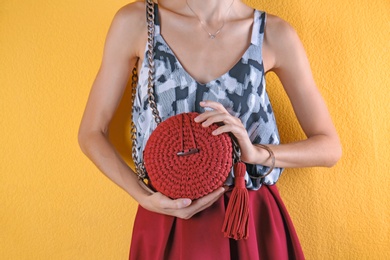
[[211, 57]]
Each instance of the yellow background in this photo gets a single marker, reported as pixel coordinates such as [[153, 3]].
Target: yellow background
[[54, 203]]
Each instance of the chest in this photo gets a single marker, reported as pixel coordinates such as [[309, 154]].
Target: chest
[[206, 59]]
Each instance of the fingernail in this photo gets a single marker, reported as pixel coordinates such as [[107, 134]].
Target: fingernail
[[186, 202], [196, 119]]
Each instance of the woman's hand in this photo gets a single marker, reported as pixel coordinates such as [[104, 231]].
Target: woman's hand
[[230, 124], [181, 208]]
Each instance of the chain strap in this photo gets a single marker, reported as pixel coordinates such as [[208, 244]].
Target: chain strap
[[150, 54], [139, 166]]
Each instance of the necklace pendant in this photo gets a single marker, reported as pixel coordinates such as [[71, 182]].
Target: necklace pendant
[[202, 23]]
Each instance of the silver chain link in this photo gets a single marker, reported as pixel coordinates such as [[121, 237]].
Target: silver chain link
[[150, 54], [139, 166]]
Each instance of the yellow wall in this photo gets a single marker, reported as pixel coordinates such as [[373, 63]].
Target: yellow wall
[[54, 204]]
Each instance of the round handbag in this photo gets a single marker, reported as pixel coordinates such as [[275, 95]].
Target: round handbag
[[184, 160]]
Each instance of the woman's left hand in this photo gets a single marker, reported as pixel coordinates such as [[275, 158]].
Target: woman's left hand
[[231, 124]]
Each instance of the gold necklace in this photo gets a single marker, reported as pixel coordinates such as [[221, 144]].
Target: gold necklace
[[204, 26]]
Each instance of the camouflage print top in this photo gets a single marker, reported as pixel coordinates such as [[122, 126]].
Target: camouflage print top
[[241, 90]]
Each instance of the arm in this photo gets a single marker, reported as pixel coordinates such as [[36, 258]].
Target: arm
[[284, 54], [125, 42], [119, 56], [322, 146]]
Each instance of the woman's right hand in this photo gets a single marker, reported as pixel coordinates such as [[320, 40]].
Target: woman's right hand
[[182, 208]]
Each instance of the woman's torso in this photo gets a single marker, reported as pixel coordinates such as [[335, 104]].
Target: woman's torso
[[237, 84]]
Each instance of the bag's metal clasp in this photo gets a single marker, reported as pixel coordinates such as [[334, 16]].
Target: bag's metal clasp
[[188, 152]]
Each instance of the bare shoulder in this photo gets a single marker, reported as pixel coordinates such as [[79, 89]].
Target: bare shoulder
[[128, 29], [131, 16], [277, 29], [279, 38], [132, 12]]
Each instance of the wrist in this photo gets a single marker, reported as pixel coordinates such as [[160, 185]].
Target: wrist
[[264, 155], [143, 200], [255, 155], [141, 192]]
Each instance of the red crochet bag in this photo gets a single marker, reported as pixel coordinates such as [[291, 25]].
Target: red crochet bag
[[184, 160]]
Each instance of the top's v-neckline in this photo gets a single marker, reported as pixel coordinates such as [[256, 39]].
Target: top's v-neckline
[[219, 78]]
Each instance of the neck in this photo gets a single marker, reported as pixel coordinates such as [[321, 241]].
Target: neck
[[211, 11]]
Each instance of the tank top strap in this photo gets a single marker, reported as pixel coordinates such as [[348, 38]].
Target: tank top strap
[[258, 28], [156, 20]]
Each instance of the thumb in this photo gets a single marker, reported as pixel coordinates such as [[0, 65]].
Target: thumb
[[182, 203], [176, 204]]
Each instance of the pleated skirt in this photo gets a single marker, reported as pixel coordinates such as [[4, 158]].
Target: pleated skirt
[[271, 233]]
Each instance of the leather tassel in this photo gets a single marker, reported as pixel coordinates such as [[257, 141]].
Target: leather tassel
[[236, 220]]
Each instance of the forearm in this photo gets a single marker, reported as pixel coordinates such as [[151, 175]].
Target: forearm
[[319, 150], [102, 153]]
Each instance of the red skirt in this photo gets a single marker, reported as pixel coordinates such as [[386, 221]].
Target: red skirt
[[271, 233]]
